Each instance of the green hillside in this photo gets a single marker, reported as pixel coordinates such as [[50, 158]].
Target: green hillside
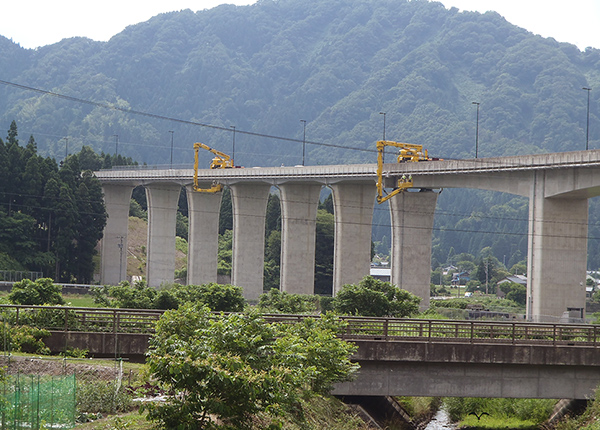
[[334, 63]]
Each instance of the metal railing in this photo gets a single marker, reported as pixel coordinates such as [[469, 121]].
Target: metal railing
[[142, 321], [63, 318]]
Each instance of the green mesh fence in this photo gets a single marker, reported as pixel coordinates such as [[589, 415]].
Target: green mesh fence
[[38, 402]]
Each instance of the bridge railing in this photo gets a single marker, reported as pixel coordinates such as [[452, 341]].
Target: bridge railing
[[391, 329], [112, 320], [142, 321]]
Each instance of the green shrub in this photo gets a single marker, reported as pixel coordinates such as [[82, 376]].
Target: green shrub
[[102, 397], [276, 301], [536, 410], [375, 298], [24, 338], [225, 298], [41, 292]]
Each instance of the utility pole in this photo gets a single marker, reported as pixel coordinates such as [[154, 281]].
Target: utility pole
[[587, 131], [477, 131], [120, 245]]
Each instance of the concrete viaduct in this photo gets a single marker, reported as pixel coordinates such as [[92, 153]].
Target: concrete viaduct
[[557, 185]]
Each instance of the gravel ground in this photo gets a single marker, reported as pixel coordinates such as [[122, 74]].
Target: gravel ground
[[58, 366]]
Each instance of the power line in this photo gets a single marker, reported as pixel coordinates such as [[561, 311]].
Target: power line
[[177, 120]]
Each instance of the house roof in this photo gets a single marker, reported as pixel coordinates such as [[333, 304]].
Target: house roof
[[517, 279]]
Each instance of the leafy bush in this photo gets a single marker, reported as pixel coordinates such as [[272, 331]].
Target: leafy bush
[[282, 302], [246, 366], [536, 410], [375, 298], [102, 397], [24, 338], [220, 298], [41, 292]]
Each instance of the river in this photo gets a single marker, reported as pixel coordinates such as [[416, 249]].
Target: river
[[440, 421]]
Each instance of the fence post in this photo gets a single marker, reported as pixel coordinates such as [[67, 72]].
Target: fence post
[[472, 331]]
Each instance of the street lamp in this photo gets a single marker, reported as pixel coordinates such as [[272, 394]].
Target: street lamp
[[172, 132], [66, 147], [233, 149], [303, 121], [587, 131], [477, 131]]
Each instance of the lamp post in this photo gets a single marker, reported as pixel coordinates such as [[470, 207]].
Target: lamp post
[[172, 132], [116, 136], [477, 131], [383, 155], [233, 146], [66, 147], [587, 131], [303, 121]]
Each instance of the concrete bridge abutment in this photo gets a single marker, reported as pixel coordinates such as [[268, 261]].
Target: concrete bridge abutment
[[163, 198], [113, 267], [299, 203]]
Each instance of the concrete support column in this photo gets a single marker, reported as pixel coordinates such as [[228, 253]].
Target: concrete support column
[[412, 225], [203, 235], [557, 254], [299, 204], [353, 206], [162, 215], [249, 202], [113, 268]]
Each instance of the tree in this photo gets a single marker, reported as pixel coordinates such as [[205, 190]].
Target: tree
[[372, 297], [235, 366], [41, 292]]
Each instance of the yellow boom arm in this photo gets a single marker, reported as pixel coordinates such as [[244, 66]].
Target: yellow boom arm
[[408, 152], [221, 161]]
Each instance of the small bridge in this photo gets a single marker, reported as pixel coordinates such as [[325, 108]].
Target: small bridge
[[398, 357]]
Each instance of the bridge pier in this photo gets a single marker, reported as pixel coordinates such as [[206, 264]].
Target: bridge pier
[[203, 235], [353, 207], [163, 198], [249, 203], [299, 203], [412, 225], [557, 254], [113, 267]]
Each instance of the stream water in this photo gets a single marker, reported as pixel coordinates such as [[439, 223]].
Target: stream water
[[440, 421]]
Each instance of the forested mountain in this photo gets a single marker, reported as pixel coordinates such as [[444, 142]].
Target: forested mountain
[[334, 63]]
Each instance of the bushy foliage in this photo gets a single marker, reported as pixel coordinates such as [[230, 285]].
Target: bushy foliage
[[536, 410], [226, 298], [375, 298], [276, 301], [42, 291], [23, 338], [245, 366], [102, 397]]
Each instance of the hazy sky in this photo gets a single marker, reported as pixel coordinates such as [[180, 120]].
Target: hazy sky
[[34, 23]]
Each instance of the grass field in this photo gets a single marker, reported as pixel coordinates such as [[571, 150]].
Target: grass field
[[75, 300]]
